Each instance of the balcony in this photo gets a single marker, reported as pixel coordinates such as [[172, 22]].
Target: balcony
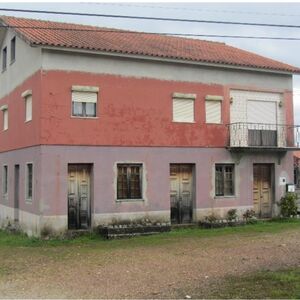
[[259, 136]]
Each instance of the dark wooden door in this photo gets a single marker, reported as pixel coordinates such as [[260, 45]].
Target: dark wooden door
[[79, 179], [181, 193], [262, 190]]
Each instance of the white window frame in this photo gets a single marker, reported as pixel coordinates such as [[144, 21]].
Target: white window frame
[[4, 109], [27, 95], [87, 89], [28, 199], [181, 96], [5, 195]]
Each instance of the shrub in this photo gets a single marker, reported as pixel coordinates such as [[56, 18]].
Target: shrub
[[249, 214], [211, 218], [232, 214], [288, 205], [47, 232]]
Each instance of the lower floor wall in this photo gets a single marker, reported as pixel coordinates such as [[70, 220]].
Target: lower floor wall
[[34, 225], [153, 180]]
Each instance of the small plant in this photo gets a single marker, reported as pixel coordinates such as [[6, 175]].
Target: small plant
[[211, 218], [288, 205], [47, 232], [232, 214], [249, 215]]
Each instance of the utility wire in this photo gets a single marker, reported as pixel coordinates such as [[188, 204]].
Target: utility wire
[[195, 9], [150, 18], [156, 33]]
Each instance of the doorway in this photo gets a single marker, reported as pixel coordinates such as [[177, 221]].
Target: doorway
[[181, 193], [79, 196], [262, 190]]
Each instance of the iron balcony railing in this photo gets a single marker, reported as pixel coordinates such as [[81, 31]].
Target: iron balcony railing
[[264, 135]]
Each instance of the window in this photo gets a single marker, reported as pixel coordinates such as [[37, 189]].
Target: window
[[27, 95], [129, 182], [28, 108], [224, 180], [29, 181], [84, 101], [4, 109], [183, 107], [4, 59], [213, 109], [5, 119], [5, 180], [13, 49]]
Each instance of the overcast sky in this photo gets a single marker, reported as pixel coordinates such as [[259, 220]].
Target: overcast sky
[[279, 13]]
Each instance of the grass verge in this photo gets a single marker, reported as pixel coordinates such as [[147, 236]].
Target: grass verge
[[282, 284], [21, 240]]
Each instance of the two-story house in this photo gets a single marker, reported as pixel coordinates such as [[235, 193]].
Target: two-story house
[[101, 125]]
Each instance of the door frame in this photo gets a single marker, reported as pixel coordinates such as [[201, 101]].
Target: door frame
[[193, 167], [272, 182], [91, 200]]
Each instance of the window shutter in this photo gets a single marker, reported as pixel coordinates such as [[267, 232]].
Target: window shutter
[[5, 119], [28, 105], [183, 110], [213, 111], [88, 97], [261, 112]]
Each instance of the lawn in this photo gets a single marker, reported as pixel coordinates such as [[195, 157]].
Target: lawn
[[280, 284]]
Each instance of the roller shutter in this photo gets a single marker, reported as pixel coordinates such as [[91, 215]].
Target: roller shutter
[[183, 110]]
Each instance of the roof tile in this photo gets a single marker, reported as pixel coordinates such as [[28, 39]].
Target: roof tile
[[59, 34]]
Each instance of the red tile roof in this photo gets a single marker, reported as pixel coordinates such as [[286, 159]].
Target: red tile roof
[[59, 34]]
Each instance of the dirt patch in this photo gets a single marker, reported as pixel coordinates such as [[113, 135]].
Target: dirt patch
[[157, 271]]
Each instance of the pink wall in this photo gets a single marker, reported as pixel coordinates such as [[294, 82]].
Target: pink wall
[[51, 173], [131, 111], [157, 161], [21, 157], [20, 133]]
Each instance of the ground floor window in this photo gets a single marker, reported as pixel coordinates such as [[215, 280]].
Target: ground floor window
[[129, 183], [29, 181], [224, 180], [5, 180]]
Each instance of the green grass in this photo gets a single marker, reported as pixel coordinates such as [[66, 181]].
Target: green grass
[[283, 284], [93, 239]]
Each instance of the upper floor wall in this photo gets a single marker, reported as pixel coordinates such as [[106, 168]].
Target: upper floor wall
[[134, 102], [163, 69], [31, 59], [27, 61]]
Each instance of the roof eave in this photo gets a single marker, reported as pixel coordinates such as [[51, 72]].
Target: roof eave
[[166, 59]]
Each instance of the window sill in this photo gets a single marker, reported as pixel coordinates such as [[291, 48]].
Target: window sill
[[78, 117], [27, 121], [224, 197], [5, 129], [12, 62], [3, 70], [28, 201], [129, 200], [183, 122]]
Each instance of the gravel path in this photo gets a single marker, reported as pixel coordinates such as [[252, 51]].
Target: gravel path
[[156, 271]]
